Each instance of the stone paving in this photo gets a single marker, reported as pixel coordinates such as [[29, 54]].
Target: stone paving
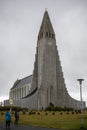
[[22, 127]]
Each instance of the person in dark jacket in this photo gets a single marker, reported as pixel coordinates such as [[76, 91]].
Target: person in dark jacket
[[16, 117], [8, 119]]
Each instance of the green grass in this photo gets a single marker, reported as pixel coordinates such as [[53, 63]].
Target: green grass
[[65, 121]]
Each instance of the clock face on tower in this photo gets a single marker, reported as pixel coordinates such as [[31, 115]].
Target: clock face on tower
[[50, 43]]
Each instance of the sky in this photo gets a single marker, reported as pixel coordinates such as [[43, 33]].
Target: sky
[[20, 22]]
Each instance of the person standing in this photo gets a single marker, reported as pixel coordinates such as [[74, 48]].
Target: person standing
[[16, 117], [8, 119]]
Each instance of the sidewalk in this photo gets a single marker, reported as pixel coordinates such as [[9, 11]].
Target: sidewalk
[[22, 127]]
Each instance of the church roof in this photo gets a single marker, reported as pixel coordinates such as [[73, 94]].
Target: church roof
[[22, 82]]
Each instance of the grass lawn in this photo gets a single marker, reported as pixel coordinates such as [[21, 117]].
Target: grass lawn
[[65, 121]]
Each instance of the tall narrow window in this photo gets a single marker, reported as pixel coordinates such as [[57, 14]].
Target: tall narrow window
[[49, 34], [51, 93], [52, 35], [46, 34]]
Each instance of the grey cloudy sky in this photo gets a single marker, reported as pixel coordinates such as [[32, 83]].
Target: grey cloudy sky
[[20, 21]]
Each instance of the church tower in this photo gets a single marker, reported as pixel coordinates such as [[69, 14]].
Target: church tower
[[47, 75], [48, 81]]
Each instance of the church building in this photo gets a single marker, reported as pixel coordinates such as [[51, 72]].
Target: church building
[[46, 85]]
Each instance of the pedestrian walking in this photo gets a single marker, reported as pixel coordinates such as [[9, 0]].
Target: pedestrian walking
[[8, 119], [16, 117]]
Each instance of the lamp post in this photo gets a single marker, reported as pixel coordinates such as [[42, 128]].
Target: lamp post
[[81, 106]]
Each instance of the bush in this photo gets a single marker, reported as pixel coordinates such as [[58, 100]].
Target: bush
[[72, 112], [67, 113], [32, 112], [61, 113], [49, 108], [52, 108], [53, 113], [58, 109], [38, 113], [79, 111], [46, 113], [68, 109], [5, 108], [76, 111]]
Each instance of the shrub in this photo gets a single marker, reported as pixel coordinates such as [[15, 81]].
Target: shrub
[[61, 113], [68, 109], [32, 112], [52, 108], [58, 109], [79, 111], [5, 108], [53, 113], [67, 113], [49, 108], [72, 112], [38, 113], [76, 111], [46, 113]]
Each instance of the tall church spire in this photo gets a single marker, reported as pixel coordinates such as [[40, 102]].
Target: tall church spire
[[46, 29]]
